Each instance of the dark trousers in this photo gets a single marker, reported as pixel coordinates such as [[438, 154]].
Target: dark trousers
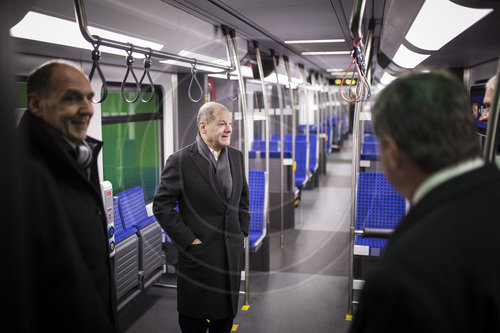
[[195, 325]]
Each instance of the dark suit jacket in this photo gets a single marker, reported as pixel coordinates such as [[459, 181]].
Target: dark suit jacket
[[208, 275], [440, 271], [82, 205]]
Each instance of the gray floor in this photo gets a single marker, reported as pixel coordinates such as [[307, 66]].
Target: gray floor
[[306, 290]]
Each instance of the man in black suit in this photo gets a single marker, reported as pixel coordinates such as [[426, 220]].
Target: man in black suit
[[54, 131], [440, 269], [207, 181]]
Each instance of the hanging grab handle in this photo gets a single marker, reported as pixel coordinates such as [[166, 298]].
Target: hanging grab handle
[[194, 71], [147, 65], [96, 56], [228, 87], [130, 61]]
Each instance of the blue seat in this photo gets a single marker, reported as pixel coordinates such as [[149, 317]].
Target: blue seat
[[301, 163], [368, 127], [260, 145], [370, 139], [378, 206], [133, 208], [120, 231], [313, 143], [369, 151], [276, 154], [257, 192], [134, 215], [126, 259]]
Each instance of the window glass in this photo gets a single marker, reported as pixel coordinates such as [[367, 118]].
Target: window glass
[[131, 136]]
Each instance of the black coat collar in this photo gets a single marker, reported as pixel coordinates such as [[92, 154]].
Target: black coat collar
[[44, 142], [443, 193]]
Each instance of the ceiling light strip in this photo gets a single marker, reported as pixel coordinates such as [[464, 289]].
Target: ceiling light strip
[[440, 21], [326, 53], [314, 41]]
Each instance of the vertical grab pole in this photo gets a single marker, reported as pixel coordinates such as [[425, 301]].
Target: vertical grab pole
[[282, 147], [354, 182], [243, 102], [292, 106], [316, 115], [355, 30], [266, 131], [304, 82]]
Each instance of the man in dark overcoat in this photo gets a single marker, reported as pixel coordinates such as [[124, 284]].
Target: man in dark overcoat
[[440, 270], [206, 180], [54, 131]]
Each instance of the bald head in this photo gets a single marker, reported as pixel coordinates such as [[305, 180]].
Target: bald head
[[214, 124], [39, 80], [61, 95], [207, 112]]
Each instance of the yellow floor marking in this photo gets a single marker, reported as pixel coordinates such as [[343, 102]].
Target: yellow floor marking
[[245, 307], [348, 317], [235, 327]]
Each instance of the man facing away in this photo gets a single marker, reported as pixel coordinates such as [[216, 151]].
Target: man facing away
[[206, 180], [440, 270], [54, 131]]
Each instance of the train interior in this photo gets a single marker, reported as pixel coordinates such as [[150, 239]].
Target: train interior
[[298, 78]]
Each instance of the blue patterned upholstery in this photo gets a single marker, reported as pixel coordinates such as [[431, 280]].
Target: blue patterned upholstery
[[133, 208], [378, 206], [256, 186], [120, 232], [369, 151]]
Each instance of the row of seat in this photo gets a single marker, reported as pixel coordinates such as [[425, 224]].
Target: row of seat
[[302, 169], [257, 200], [138, 259], [379, 206]]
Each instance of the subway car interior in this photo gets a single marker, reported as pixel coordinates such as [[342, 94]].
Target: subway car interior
[[299, 78]]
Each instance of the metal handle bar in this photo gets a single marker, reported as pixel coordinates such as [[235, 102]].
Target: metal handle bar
[[194, 71], [147, 65], [96, 56], [130, 69], [374, 233], [82, 22]]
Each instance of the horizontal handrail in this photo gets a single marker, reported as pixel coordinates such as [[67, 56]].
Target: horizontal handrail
[[82, 23], [374, 233]]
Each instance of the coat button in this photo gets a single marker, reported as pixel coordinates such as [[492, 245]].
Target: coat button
[[99, 212]]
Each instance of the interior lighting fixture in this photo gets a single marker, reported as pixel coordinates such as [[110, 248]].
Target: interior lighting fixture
[[314, 41], [202, 57], [408, 59], [326, 52], [439, 21], [49, 29]]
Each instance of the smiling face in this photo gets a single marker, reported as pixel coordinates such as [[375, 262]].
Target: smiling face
[[217, 133], [68, 104]]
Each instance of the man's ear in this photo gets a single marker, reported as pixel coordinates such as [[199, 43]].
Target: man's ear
[[202, 127], [393, 154], [34, 104]]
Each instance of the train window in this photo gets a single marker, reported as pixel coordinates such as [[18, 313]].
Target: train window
[[131, 133], [477, 97]]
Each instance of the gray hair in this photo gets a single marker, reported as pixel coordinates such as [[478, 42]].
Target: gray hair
[[39, 78], [428, 116], [492, 83], [207, 110]]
